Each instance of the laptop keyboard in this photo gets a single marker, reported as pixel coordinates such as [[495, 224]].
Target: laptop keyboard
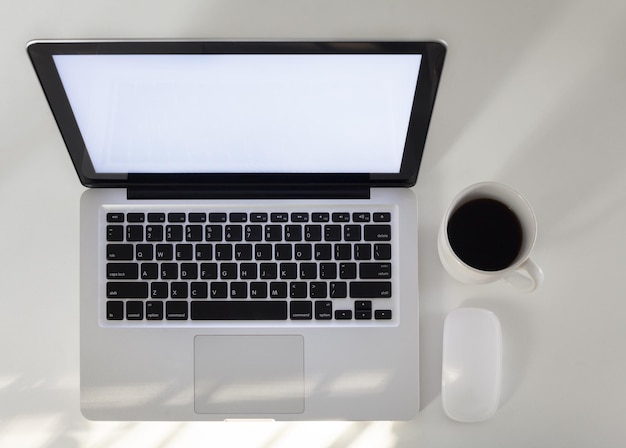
[[199, 266]]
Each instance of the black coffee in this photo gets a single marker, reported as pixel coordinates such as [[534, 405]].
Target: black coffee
[[485, 234]]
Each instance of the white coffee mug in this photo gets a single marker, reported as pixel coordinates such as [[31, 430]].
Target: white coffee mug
[[521, 271]]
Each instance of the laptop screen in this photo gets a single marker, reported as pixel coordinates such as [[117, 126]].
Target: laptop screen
[[242, 113], [140, 111]]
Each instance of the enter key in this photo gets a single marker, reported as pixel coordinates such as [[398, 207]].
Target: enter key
[[375, 270]]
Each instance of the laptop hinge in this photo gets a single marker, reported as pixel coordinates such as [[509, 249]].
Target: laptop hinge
[[251, 192]]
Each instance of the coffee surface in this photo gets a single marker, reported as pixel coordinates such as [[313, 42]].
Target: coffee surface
[[486, 234]]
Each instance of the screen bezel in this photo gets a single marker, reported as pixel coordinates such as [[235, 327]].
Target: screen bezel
[[433, 53]]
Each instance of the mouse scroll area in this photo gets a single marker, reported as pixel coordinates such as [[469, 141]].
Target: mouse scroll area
[[248, 375], [472, 364]]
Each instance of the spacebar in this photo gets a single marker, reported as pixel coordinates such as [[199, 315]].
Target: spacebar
[[238, 310]]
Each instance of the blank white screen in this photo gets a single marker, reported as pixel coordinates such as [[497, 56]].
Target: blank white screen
[[242, 113]]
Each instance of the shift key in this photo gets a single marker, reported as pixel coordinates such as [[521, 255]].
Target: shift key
[[127, 290], [370, 290]]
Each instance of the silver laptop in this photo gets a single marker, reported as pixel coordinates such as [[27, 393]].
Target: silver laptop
[[248, 240]]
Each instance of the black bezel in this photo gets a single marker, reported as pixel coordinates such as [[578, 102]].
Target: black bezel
[[433, 54]]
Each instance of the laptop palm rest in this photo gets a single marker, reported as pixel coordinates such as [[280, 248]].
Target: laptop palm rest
[[249, 374]]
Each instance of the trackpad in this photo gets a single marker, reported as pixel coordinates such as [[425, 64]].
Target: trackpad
[[249, 374]]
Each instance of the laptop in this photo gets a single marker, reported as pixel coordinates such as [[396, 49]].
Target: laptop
[[248, 236]]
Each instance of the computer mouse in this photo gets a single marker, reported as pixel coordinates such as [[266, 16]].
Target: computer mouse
[[471, 364]]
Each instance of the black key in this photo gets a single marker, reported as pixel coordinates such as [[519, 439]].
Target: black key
[[134, 233], [233, 232], [115, 233], [283, 252], [338, 290], [125, 271], [328, 271], [169, 271], [193, 232], [382, 314], [361, 217], [219, 290], [149, 271], [363, 309], [176, 217], [223, 252], [164, 252], [173, 233], [204, 252], [176, 311], [115, 310], [239, 310], [332, 232], [238, 217], [298, 290], [278, 290], [320, 217], [253, 232], [154, 310], [197, 217], [370, 290], [288, 271], [299, 217], [374, 270], [293, 232], [318, 290], [213, 233], [258, 217], [362, 251], [217, 217], [136, 217], [115, 217], [263, 252], [343, 314], [243, 251], [341, 217], [279, 217], [273, 232], [127, 290], [258, 290], [228, 271], [199, 290], [303, 252], [382, 251], [154, 233], [134, 310], [144, 252], [323, 310], [208, 271], [308, 271], [352, 232], [184, 252], [119, 251], [323, 252], [268, 271], [343, 251], [156, 217], [377, 232], [238, 290], [313, 233], [188, 271], [347, 270], [248, 271], [382, 217], [159, 290], [363, 315], [301, 310]]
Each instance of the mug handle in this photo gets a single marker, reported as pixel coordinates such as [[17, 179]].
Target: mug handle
[[527, 277]]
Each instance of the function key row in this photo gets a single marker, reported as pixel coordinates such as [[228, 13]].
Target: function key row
[[234, 217]]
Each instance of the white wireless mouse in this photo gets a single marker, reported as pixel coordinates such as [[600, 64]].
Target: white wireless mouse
[[472, 364]]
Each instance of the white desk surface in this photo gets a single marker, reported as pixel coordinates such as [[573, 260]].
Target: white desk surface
[[533, 95]]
